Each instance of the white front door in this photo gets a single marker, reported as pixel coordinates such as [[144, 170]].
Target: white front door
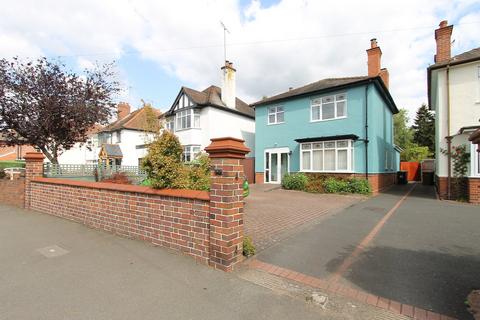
[[277, 164]]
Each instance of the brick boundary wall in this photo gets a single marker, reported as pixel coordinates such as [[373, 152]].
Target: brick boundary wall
[[378, 181], [474, 190], [12, 192], [178, 221], [205, 225]]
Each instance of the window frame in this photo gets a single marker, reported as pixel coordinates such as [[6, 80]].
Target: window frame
[[350, 156], [474, 160], [275, 113], [193, 114], [320, 105], [191, 153]]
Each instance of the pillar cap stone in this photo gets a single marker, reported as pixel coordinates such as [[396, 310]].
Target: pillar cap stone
[[227, 147], [34, 156]]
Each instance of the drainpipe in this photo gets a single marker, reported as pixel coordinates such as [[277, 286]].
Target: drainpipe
[[449, 139], [366, 131]]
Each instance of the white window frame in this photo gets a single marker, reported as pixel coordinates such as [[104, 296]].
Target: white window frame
[[478, 84], [275, 112], [192, 114], [474, 160], [170, 124], [190, 152], [350, 156], [318, 103]]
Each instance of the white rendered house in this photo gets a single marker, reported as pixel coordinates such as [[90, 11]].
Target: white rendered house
[[198, 116], [454, 95], [127, 136]]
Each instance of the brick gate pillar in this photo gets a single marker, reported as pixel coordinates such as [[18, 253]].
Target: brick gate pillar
[[33, 169], [226, 201]]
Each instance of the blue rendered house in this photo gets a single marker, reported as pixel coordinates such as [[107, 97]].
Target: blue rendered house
[[340, 126]]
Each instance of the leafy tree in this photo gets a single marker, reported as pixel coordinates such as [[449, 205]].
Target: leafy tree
[[415, 153], [424, 128], [45, 105], [403, 135], [163, 162]]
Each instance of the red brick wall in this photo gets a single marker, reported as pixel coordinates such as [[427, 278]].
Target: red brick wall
[[441, 184], [12, 192], [474, 190], [154, 216]]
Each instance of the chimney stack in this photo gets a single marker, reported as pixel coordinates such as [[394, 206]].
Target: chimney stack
[[123, 110], [228, 85], [374, 55], [443, 37]]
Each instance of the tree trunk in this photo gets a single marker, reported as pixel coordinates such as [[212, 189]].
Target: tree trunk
[[53, 158]]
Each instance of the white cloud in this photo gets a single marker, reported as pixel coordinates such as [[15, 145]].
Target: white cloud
[[331, 39]]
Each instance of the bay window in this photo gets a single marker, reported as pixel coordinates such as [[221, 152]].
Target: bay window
[[327, 156], [187, 119], [329, 107]]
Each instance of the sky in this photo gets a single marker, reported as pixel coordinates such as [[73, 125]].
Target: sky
[[159, 46]]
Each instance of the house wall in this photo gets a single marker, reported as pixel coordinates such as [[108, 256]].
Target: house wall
[[298, 125], [215, 123], [464, 107], [129, 140]]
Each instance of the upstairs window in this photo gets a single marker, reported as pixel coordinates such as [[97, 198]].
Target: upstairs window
[[187, 119], [170, 124], [119, 136], [276, 115], [329, 107]]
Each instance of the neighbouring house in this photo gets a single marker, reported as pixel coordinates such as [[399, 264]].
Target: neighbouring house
[[198, 116], [122, 142], [12, 153], [337, 126], [83, 153], [125, 141], [454, 95]]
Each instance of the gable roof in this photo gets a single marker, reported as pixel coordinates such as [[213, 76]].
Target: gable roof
[[211, 97], [331, 84], [133, 121], [465, 57]]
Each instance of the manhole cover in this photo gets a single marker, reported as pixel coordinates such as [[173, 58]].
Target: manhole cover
[[52, 251]]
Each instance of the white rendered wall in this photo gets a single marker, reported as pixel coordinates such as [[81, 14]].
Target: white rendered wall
[[464, 108], [215, 123]]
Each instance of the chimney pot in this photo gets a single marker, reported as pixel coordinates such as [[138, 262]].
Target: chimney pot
[[373, 43], [443, 23]]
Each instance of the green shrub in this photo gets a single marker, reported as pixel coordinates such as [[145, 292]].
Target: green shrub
[[360, 186], [199, 173], [163, 162], [352, 185], [248, 247], [295, 181], [315, 182], [335, 185]]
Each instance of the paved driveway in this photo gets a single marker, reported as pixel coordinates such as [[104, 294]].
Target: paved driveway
[[272, 214], [415, 250]]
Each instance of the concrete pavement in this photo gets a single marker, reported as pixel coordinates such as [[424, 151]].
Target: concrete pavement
[[52, 268]]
